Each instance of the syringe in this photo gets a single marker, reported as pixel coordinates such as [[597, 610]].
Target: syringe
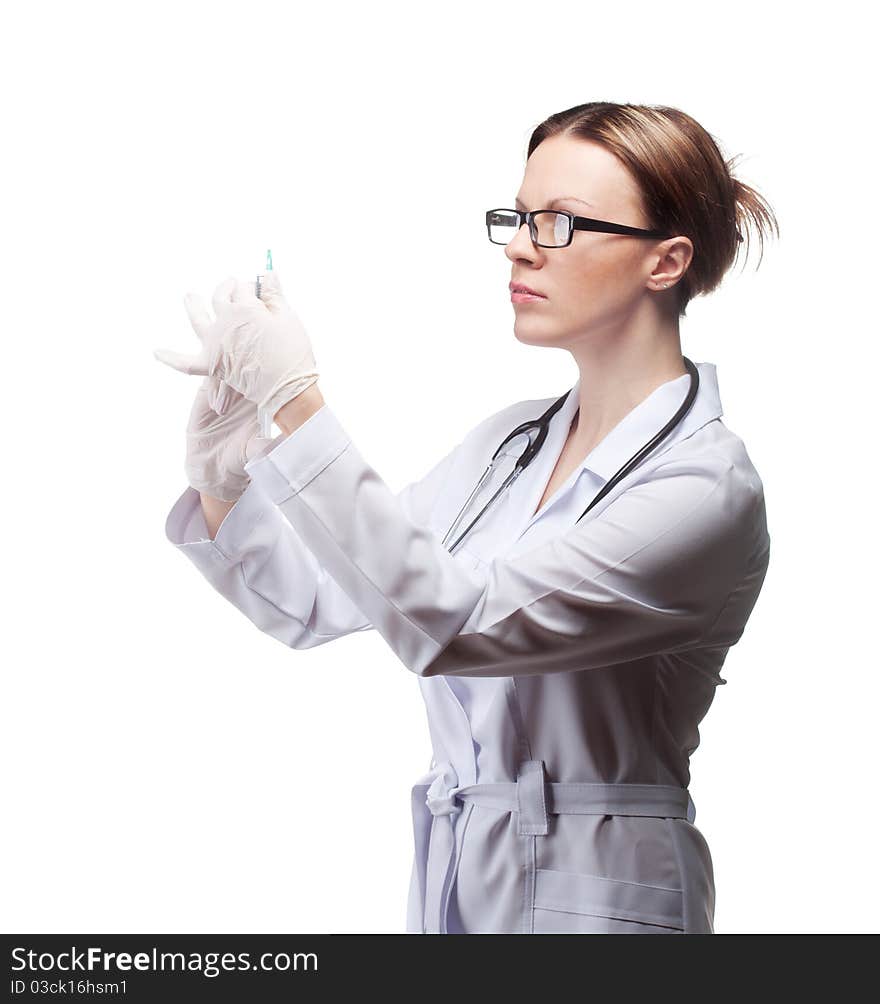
[[265, 420]]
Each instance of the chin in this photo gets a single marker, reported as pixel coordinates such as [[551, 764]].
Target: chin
[[536, 334]]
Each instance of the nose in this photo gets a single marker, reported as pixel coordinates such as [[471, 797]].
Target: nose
[[520, 245]]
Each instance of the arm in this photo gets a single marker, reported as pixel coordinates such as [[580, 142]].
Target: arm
[[214, 511], [650, 571], [292, 415], [258, 562]]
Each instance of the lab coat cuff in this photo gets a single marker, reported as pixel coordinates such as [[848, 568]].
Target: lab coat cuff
[[300, 457], [186, 528]]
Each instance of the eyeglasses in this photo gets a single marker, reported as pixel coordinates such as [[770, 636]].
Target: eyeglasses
[[551, 229]]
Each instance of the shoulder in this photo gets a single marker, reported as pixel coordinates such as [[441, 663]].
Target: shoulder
[[496, 426], [470, 456], [718, 452], [710, 476], [467, 460]]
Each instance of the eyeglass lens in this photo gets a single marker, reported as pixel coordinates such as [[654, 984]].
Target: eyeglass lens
[[552, 228]]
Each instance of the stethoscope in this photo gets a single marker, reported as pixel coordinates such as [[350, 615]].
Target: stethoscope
[[537, 429]]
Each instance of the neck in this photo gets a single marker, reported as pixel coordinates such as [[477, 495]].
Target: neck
[[617, 376]]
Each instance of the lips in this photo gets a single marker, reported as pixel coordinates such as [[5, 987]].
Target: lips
[[518, 287]]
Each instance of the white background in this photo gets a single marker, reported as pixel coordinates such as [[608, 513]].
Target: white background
[[167, 767]]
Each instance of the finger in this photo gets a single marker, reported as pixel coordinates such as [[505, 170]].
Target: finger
[[222, 398], [193, 365], [271, 286], [199, 317], [215, 389], [221, 300], [245, 293], [272, 294]]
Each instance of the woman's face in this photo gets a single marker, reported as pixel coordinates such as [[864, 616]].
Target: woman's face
[[594, 287]]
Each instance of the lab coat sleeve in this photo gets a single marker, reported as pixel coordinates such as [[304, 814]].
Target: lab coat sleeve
[[260, 565], [672, 563]]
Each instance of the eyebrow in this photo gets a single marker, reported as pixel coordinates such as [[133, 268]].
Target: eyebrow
[[560, 198]]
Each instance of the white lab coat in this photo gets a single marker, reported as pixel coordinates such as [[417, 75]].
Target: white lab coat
[[565, 665]]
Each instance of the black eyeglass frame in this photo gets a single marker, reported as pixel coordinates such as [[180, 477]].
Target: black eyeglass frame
[[575, 223]]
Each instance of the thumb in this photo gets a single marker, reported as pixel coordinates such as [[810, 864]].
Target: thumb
[[193, 365]]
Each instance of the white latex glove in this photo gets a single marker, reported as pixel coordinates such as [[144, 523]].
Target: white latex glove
[[258, 346], [218, 446], [222, 433]]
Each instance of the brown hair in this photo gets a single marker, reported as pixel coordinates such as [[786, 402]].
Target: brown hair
[[686, 184]]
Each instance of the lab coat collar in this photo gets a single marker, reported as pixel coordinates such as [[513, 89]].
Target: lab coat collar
[[646, 420]]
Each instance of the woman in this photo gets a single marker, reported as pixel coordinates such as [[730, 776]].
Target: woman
[[566, 656]]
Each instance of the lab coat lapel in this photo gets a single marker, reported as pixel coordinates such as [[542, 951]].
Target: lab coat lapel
[[621, 443], [527, 490], [649, 416]]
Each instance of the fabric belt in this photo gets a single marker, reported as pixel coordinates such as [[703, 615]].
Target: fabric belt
[[533, 798]]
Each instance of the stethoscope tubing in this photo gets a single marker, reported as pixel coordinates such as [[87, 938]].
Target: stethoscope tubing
[[542, 425], [508, 481]]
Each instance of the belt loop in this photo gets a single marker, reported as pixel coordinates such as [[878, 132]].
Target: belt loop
[[530, 798], [691, 809]]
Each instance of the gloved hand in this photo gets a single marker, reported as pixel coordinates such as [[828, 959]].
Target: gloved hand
[[222, 432], [258, 346], [218, 446]]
